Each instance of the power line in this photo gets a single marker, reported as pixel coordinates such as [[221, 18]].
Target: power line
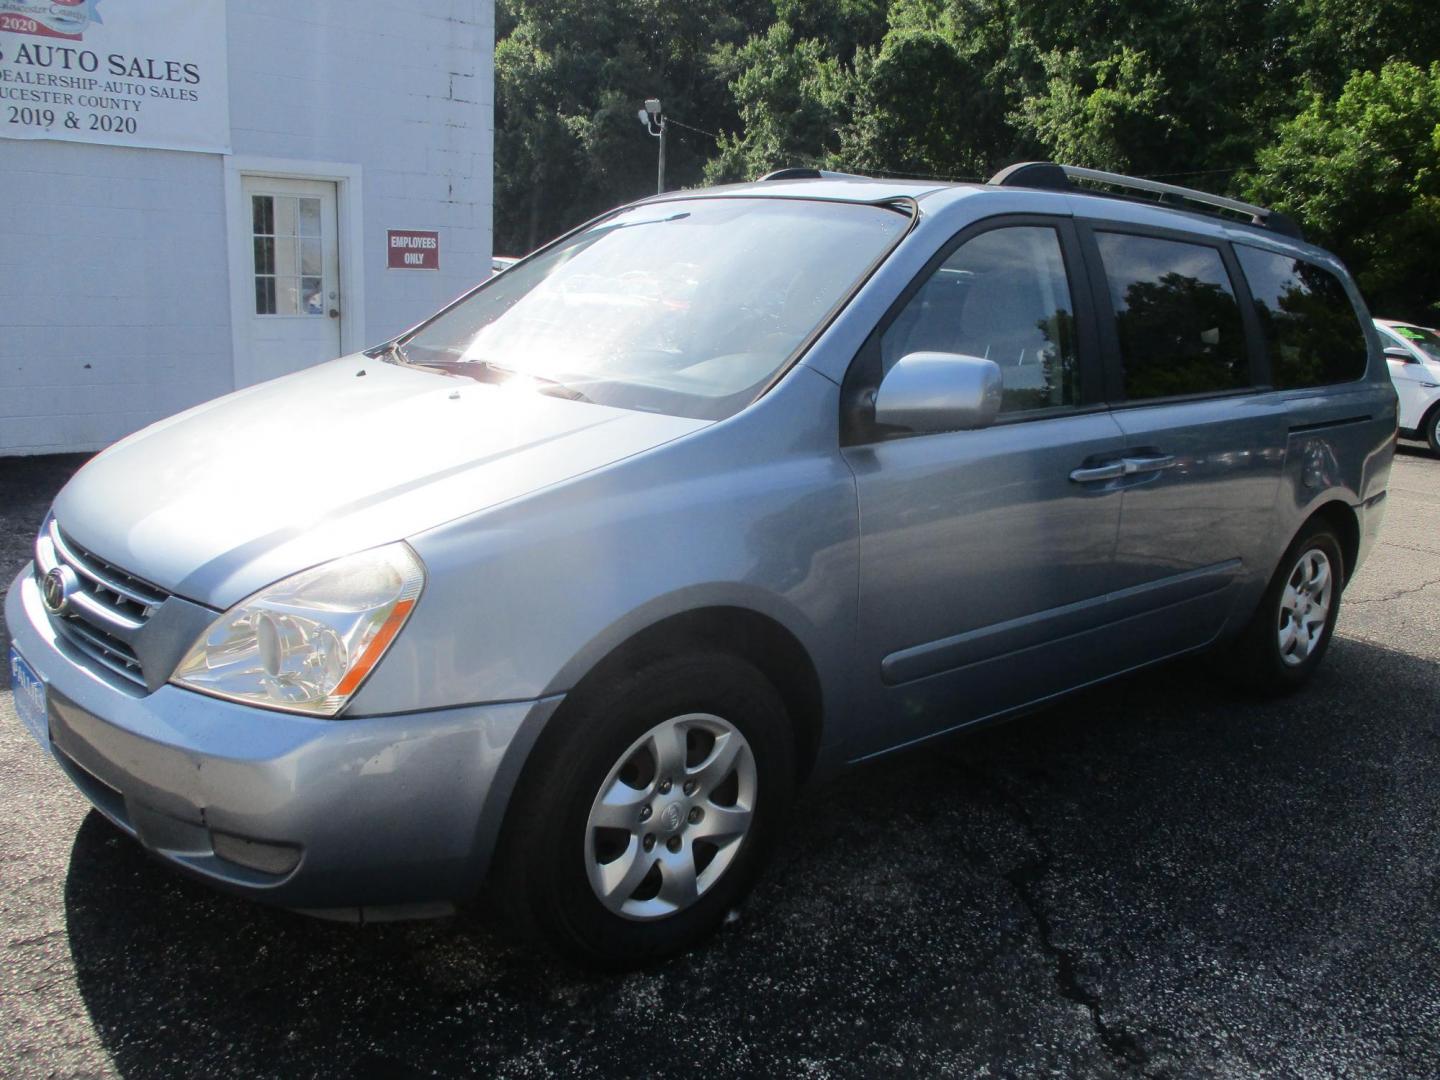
[[691, 127], [1193, 172], [930, 176]]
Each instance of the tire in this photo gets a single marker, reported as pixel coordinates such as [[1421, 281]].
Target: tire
[[1430, 430], [570, 864], [1284, 642]]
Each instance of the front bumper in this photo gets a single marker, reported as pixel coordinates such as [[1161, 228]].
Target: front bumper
[[393, 812]]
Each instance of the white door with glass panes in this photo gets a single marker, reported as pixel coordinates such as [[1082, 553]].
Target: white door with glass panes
[[295, 289]]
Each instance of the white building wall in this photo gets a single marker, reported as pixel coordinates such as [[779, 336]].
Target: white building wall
[[115, 292]]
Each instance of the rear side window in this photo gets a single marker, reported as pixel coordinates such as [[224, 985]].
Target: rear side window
[[1176, 317], [1311, 329]]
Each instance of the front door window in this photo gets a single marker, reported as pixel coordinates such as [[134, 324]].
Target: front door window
[[1002, 296]]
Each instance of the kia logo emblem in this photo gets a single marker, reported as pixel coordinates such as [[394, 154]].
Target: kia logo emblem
[[58, 586]]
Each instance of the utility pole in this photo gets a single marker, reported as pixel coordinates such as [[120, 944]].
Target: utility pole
[[653, 117]]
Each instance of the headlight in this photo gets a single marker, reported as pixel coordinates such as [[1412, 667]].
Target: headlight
[[305, 644]]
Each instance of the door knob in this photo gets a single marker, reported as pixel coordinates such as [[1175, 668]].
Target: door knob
[[334, 313]]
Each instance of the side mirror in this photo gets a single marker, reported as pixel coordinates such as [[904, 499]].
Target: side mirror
[[1395, 352], [934, 391]]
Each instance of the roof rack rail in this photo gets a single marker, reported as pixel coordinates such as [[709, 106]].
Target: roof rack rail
[[1050, 176]]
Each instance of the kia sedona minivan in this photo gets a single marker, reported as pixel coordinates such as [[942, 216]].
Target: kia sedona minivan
[[567, 589]]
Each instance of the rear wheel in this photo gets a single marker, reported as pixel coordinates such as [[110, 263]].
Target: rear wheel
[[649, 811], [1291, 629]]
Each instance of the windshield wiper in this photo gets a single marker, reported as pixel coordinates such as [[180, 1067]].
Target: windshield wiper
[[547, 384], [391, 353], [485, 371]]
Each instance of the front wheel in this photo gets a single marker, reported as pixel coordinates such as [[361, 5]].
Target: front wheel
[[1290, 631], [649, 810], [1431, 430]]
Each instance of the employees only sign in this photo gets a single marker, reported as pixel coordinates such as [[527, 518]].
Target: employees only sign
[[124, 72], [412, 249]]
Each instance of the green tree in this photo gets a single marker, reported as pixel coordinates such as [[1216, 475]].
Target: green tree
[[1332, 39], [1106, 114], [790, 103], [1361, 171], [569, 77], [921, 104], [1321, 107]]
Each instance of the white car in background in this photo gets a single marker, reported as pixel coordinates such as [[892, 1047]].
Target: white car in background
[[1413, 355]]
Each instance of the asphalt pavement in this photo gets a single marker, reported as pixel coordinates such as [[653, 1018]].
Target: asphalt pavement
[[1158, 877]]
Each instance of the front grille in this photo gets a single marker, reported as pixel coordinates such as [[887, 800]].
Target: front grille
[[106, 612]]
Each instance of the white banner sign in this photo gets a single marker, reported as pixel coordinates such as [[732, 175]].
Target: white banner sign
[[123, 72]]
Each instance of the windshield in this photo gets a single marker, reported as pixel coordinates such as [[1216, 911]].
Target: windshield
[[687, 307], [1427, 341]]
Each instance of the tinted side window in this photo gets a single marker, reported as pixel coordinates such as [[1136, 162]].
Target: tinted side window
[[1176, 315], [1311, 329], [1002, 296]]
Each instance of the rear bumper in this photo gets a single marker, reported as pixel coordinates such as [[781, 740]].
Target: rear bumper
[[380, 812]]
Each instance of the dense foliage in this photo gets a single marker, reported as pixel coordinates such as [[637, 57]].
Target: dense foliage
[[1329, 109]]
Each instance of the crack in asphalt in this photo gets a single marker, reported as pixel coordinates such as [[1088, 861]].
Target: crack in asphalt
[[1395, 595], [1122, 1045], [1397, 546]]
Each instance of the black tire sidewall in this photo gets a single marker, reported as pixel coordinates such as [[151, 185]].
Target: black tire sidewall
[[1431, 430], [593, 734]]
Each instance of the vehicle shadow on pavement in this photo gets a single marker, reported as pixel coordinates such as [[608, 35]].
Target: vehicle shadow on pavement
[[1419, 450], [1156, 875]]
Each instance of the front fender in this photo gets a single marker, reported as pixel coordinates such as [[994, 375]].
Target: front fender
[[756, 512]]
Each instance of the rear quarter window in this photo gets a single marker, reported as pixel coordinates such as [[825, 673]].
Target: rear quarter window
[[1312, 332]]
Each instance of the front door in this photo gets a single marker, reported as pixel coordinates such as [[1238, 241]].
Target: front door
[[294, 290], [984, 563]]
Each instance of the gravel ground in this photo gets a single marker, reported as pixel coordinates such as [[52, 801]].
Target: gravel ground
[[1156, 878]]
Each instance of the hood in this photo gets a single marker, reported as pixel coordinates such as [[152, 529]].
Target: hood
[[232, 495]]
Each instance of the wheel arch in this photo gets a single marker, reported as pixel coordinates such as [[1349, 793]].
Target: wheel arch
[[1429, 415], [1340, 516], [756, 637]]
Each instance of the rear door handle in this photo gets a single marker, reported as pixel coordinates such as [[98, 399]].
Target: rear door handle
[[1111, 471], [1152, 463]]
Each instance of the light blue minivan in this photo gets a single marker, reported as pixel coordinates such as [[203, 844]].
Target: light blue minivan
[[568, 588]]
